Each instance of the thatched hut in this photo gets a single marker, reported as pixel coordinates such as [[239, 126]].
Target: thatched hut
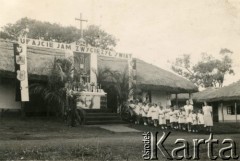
[[227, 101], [153, 83], [197, 99], [39, 63]]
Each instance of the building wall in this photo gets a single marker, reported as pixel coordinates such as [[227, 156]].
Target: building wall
[[227, 117], [7, 95], [159, 96]]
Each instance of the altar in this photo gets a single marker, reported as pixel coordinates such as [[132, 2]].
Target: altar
[[89, 100], [84, 83]]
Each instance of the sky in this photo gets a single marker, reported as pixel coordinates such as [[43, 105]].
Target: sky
[[156, 31]]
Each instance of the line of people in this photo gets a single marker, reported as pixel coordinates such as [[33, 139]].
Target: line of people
[[185, 118]]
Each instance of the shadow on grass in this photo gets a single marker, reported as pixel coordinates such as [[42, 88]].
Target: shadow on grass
[[218, 128]]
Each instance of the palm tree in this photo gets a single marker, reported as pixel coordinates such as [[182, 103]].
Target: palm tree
[[54, 92], [121, 85], [103, 74]]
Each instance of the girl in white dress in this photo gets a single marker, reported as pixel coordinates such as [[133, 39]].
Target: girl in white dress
[[188, 109], [145, 109], [167, 116], [161, 117], [137, 110], [182, 119], [207, 116], [154, 112], [176, 116], [140, 104], [200, 120], [172, 117], [194, 121], [149, 114]]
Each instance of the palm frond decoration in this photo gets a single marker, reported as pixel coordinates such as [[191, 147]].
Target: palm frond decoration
[[54, 92], [103, 74], [121, 84]]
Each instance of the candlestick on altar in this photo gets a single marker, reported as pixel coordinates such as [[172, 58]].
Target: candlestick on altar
[[92, 85]]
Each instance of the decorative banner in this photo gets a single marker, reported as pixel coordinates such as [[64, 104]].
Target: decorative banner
[[20, 60], [22, 75], [76, 47], [17, 67], [19, 49], [134, 68]]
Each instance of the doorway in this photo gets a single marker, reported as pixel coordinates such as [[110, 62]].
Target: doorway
[[215, 111], [112, 101]]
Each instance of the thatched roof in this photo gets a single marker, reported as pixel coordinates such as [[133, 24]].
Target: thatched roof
[[112, 63], [6, 53], [149, 77], [198, 96], [155, 78], [227, 93], [39, 60]]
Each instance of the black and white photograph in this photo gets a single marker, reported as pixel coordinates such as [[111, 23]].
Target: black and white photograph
[[119, 80]]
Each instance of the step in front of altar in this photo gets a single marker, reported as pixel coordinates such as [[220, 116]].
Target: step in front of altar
[[94, 117]]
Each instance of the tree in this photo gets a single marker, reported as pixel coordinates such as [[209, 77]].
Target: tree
[[99, 38], [103, 74], [208, 72], [58, 93], [54, 32], [54, 92], [120, 81]]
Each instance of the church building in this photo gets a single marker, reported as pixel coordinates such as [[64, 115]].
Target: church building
[[152, 82]]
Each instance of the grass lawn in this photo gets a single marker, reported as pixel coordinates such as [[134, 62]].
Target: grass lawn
[[51, 139]]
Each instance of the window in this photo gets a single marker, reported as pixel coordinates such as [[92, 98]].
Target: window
[[231, 109]]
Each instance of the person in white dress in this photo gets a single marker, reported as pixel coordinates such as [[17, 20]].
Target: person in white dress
[[137, 110], [207, 116], [161, 117], [149, 114], [200, 120], [154, 114], [194, 121], [167, 116], [188, 109], [172, 117], [140, 111], [182, 119], [176, 116], [145, 109]]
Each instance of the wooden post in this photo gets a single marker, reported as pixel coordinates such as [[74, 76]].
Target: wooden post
[[236, 111], [176, 99], [190, 98], [222, 112]]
